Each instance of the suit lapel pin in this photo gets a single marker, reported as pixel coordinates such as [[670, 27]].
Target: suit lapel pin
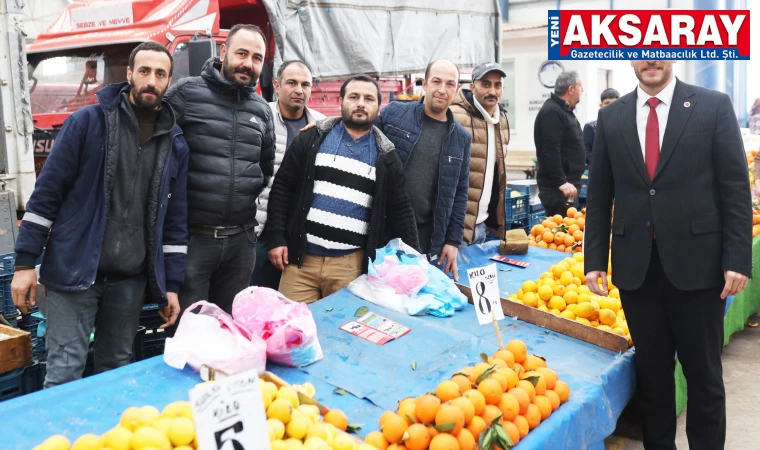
[[686, 104]]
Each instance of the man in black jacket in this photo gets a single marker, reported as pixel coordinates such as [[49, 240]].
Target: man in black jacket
[[559, 146], [608, 96], [230, 132], [670, 156], [339, 191]]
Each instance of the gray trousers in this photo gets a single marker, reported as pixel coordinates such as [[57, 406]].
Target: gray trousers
[[112, 308]]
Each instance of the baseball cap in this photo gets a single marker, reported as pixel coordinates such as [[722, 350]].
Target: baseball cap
[[480, 70]]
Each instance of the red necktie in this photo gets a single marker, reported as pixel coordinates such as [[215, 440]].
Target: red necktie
[[652, 139]]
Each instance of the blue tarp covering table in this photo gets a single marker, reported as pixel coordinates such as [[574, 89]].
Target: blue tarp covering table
[[378, 377]]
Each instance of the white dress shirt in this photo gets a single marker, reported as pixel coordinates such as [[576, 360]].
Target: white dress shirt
[[663, 109]]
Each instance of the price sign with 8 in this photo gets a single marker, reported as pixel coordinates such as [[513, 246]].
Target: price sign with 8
[[229, 414], [484, 283]]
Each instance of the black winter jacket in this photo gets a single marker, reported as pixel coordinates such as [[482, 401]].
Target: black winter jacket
[[293, 190], [559, 145], [230, 132]]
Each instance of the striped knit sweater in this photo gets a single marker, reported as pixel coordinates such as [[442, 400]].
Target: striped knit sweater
[[344, 183]]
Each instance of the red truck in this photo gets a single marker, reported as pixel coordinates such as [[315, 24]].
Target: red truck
[[88, 46]]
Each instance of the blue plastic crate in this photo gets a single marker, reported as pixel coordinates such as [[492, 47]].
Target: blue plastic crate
[[22, 381], [7, 268], [584, 191], [518, 207], [537, 217]]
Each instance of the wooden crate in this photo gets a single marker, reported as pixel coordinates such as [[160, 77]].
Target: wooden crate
[[559, 324], [15, 349]]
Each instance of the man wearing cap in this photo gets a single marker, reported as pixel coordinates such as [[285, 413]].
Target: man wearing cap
[[479, 112], [589, 130]]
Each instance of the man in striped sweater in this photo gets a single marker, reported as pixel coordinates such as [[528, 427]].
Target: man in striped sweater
[[339, 195]]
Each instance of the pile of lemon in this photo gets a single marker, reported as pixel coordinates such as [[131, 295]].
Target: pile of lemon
[[139, 429], [563, 291], [293, 426]]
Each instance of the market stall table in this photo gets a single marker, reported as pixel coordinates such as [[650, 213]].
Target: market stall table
[[601, 381]]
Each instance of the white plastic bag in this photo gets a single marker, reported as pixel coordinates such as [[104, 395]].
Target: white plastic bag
[[212, 337]]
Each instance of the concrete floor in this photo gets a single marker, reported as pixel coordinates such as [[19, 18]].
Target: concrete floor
[[741, 367]]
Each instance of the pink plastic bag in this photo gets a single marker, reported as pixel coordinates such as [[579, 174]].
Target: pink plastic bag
[[286, 326], [212, 337]]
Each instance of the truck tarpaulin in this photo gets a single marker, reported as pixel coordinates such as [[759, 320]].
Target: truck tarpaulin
[[384, 37]]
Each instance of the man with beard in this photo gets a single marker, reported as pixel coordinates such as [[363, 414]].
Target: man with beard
[[338, 195], [110, 206], [671, 157], [230, 132], [479, 112], [293, 86], [559, 146], [435, 151]]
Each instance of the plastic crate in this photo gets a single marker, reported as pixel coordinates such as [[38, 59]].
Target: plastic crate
[[7, 268], [149, 317], [537, 217], [520, 222], [584, 191], [22, 381], [517, 208]]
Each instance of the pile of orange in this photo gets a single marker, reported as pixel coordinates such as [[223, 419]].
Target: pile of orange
[[564, 234], [512, 389], [755, 222]]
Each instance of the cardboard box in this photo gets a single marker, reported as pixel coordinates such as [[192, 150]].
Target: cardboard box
[[15, 349]]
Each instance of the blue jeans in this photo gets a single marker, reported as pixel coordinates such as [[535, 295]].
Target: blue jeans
[[264, 273], [112, 307], [478, 236]]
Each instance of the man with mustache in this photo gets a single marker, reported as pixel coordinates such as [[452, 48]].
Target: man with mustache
[[479, 112], [559, 146], [338, 195], [110, 208], [671, 157], [435, 151], [293, 86], [230, 131]]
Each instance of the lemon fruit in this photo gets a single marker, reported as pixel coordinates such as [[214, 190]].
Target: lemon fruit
[[163, 425], [297, 427], [276, 429], [281, 410], [567, 314], [278, 445], [607, 317], [316, 443], [545, 292], [148, 437], [57, 442], [558, 303], [289, 394], [343, 442], [182, 431], [530, 299], [87, 442], [118, 438]]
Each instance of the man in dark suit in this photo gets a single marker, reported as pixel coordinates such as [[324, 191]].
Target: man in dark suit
[[670, 156]]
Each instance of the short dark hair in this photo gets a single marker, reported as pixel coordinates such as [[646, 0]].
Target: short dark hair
[[427, 69], [284, 66], [151, 46], [610, 93], [244, 26], [366, 79]]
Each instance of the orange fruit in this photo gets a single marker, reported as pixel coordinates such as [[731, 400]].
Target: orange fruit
[[466, 440], [509, 406], [552, 246], [497, 362], [432, 431], [573, 228], [480, 368], [447, 390], [540, 386], [518, 369], [418, 437], [549, 375], [502, 378], [544, 406], [569, 240], [518, 349], [572, 211], [377, 440], [444, 441], [512, 431], [578, 236], [467, 408], [553, 399], [569, 250], [450, 414], [581, 222], [427, 407], [394, 428], [548, 237], [557, 219], [569, 221], [467, 371], [527, 386], [559, 238], [533, 416], [406, 409], [532, 362], [477, 399], [337, 418], [491, 390], [563, 390], [537, 230], [506, 355], [463, 382], [397, 447], [383, 418], [490, 414], [522, 424], [523, 399], [477, 426], [542, 244]]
